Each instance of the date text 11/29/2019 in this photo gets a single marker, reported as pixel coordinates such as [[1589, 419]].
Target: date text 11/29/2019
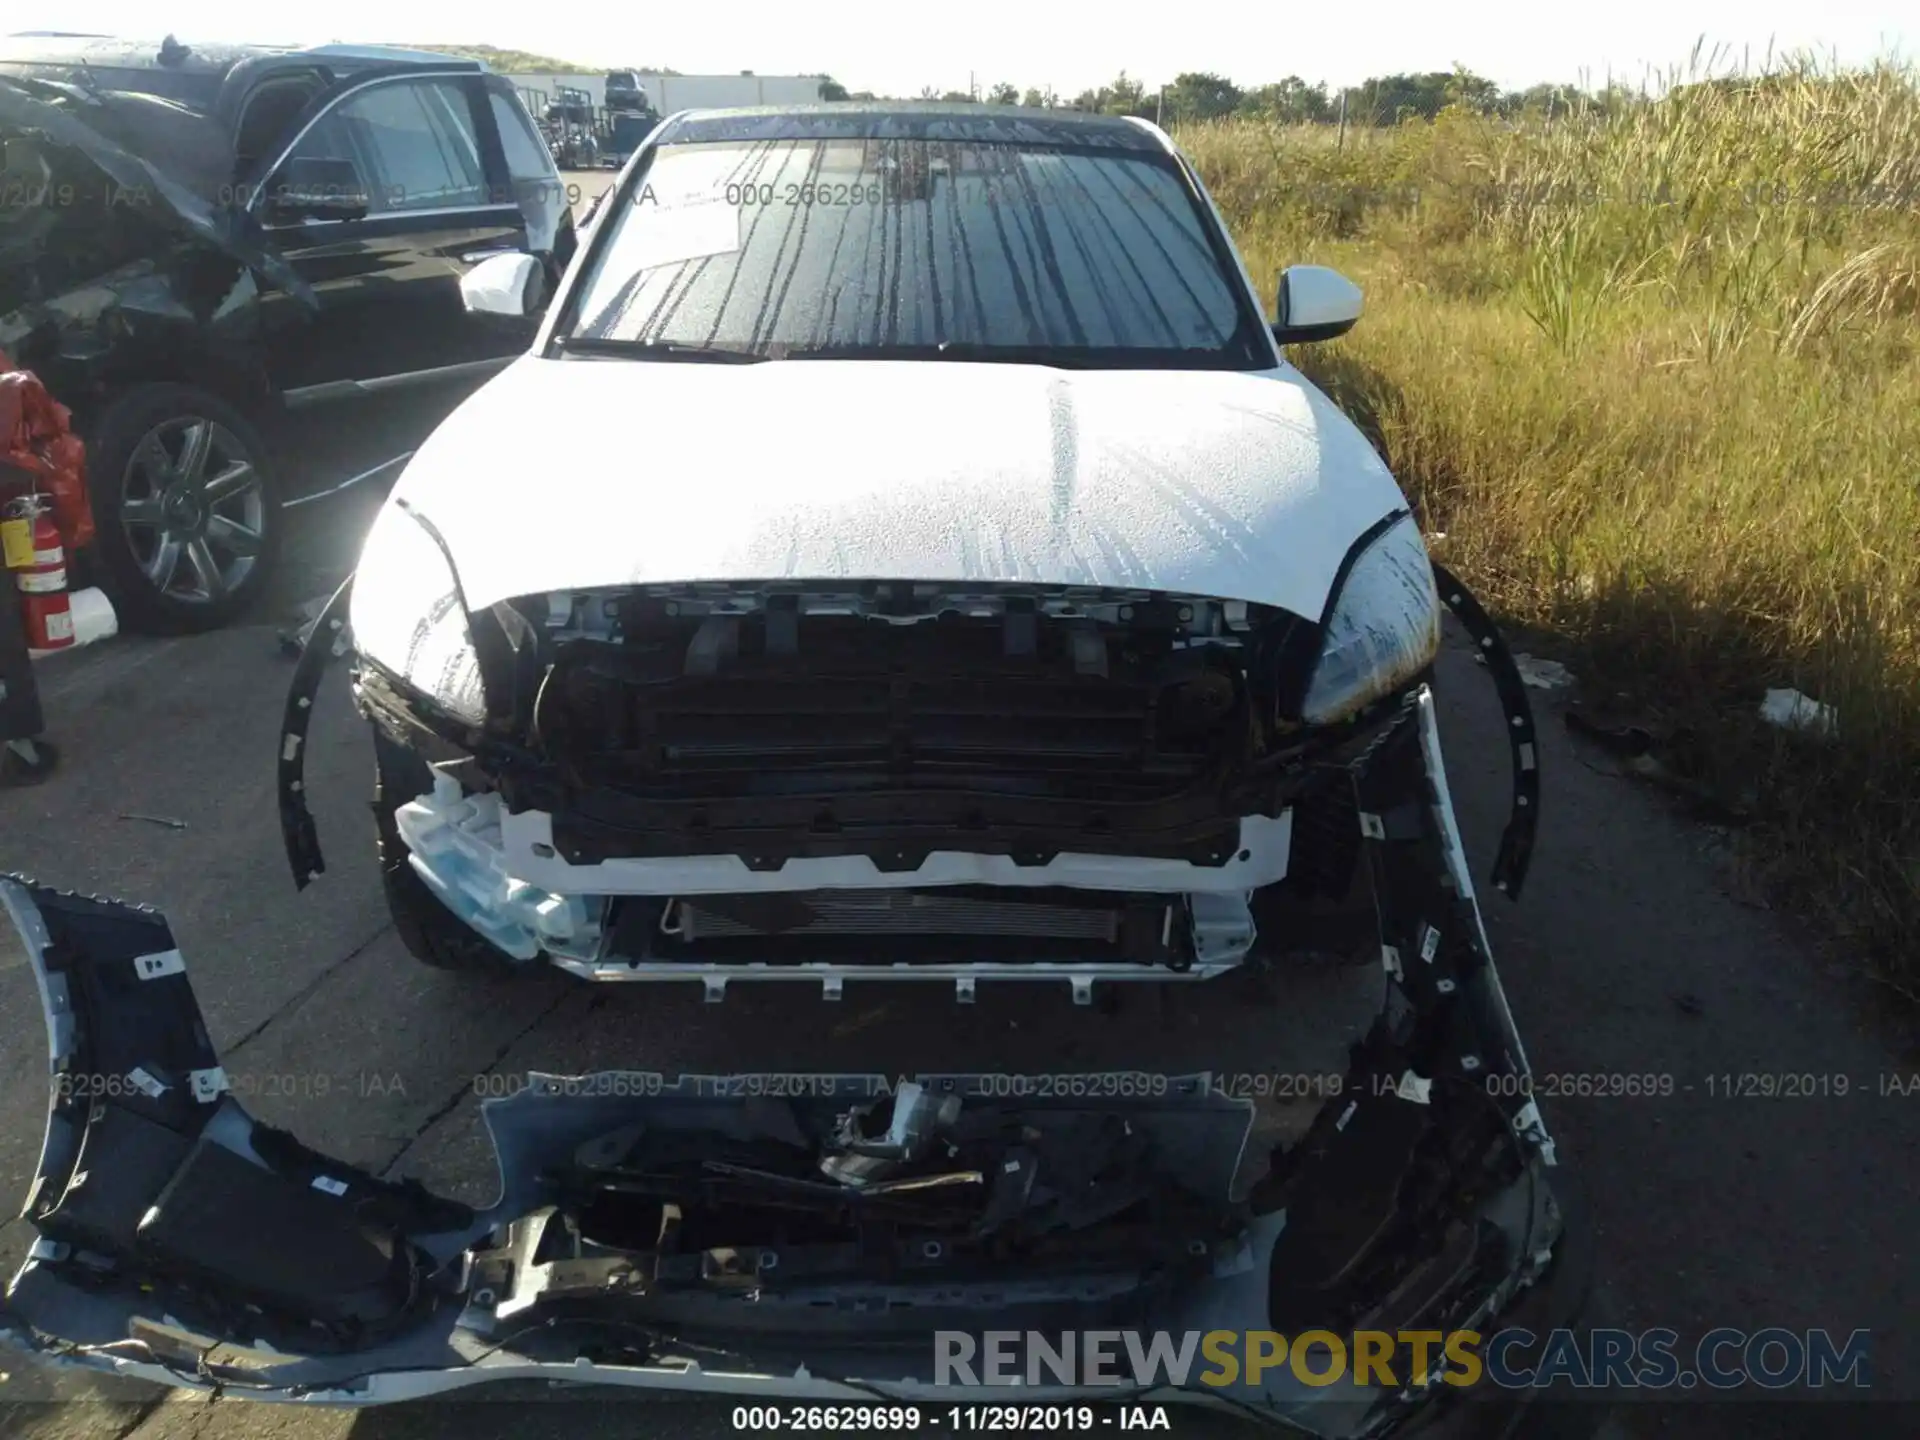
[[816, 1419]]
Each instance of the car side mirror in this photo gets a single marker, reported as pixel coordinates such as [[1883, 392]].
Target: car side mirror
[[513, 285], [315, 188], [1315, 303]]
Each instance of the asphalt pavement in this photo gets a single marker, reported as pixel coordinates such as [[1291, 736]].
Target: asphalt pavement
[[1633, 952]]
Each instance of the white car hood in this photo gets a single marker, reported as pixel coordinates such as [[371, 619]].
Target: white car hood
[[572, 474]]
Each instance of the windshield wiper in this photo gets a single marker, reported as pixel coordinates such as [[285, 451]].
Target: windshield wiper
[[1055, 356], [657, 350]]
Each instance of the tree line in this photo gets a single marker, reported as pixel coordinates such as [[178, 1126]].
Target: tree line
[[1200, 95]]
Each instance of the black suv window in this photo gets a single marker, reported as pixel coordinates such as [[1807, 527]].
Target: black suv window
[[412, 142], [527, 157]]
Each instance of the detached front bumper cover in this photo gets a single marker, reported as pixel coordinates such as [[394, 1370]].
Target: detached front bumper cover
[[182, 1241]]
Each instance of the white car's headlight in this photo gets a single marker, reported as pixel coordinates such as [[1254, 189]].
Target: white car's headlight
[[1385, 626], [406, 615]]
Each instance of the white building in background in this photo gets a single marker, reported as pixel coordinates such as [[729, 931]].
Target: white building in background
[[682, 92]]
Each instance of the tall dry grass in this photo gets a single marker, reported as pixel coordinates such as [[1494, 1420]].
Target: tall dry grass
[[1655, 374]]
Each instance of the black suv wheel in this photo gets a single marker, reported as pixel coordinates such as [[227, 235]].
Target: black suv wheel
[[186, 507]]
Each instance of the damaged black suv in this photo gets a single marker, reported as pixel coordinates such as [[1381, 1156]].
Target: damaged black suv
[[196, 240]]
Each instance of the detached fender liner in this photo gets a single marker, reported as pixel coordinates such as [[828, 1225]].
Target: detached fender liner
[[1523, 822], [152, 1174], [324, 645]]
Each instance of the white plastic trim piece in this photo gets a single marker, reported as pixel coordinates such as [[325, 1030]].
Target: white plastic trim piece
[[454, 845], [166, 962], [93, 619]]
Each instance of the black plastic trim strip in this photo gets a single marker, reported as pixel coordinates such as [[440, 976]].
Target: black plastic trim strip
[[1523, 821], [296, 820], [1311, 334]]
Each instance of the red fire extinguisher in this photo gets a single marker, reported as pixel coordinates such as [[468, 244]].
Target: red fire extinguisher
[[39, 568]]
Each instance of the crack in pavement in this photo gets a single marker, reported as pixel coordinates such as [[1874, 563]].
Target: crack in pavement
[[299, 996], [140, 1417], [452, 1102], [96, 1427]]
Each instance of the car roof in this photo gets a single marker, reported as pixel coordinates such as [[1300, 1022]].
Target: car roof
[[175, 104], [190, 72], [878, 120], [57, 47], [393, 55]]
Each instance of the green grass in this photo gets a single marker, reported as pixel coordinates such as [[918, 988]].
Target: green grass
[[1656, 377]]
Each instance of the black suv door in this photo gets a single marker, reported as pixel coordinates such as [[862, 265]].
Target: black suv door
[[391, 189]]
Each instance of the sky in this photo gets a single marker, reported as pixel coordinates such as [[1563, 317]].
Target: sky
[[898, 48]]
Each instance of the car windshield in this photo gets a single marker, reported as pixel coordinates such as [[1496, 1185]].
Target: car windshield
[[915, 248]]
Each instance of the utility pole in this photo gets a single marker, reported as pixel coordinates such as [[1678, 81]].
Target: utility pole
[[1160, 108], [1340, 140]]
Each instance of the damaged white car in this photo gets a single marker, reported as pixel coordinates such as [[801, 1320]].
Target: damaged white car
[[950, 579], [938, 572]]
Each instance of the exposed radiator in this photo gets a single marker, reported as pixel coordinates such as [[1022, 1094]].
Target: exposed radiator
[[900, 912]]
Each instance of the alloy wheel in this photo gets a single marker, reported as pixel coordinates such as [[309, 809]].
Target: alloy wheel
[[193, 508]]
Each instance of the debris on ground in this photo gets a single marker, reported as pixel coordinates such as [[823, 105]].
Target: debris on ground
[[294, 639], [1790, 710], [1671, 756], [167, 821], [1626, 740], [1540, 674], [1543, 674], [93, 614]]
